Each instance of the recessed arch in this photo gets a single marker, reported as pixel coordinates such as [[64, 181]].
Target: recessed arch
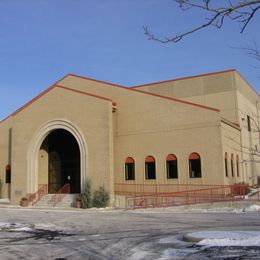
[[150, 168], [226, 164], [232, 165], [195, 165], [171, 166], [129, 169], [36, 142]]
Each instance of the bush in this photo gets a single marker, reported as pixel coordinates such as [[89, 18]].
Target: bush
[[100, 198], [86, 195]]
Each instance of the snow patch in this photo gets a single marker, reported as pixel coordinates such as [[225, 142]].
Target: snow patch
[[167, 240], [138, 254], [254, 207], [227, 238], [177, 253], [253, 241], [5, 200], [22, 229]]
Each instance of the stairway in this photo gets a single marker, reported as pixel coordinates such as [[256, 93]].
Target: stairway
[[68, 201]]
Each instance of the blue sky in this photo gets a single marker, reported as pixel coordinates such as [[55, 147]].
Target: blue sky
[[43, 40]]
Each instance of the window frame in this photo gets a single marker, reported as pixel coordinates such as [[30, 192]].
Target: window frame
[[248, 119], [226, 164], [195, 158], [232, 165], [8, 174], [237, 163], [150, 168], [129, 165], [171, 158]]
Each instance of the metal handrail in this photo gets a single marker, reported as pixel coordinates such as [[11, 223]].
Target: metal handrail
[[35, 197], [145, 188], [60, 194], [216, 194]]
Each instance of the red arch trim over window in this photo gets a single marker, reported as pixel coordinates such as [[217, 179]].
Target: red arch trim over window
[[171, 157], [129, 160], [8, 167], [149, 159], [194, 156], [237, 158], [226, 155], [232, 156]]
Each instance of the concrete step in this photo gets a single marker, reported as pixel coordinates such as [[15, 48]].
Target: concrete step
[[68, 201]]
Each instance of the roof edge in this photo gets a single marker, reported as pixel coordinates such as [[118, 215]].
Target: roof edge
[[177, 100], [91, 79], [227, 122], [47, 91], [183, 78], [147, 93]]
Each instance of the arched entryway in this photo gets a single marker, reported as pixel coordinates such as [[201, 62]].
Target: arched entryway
[[38, 153], [60, 151]]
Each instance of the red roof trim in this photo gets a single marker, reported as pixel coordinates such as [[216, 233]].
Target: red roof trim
[[47, 91], [148, 93], [33, 100], [84, 93], [29, 103], [177, 100], [95, 80], [111, 84], [188, 77]]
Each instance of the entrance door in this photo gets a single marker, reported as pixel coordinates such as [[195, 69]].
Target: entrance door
[[63, 161]]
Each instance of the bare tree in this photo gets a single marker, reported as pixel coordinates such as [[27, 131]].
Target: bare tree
[[252, 50], [251, 123], [241, 12]]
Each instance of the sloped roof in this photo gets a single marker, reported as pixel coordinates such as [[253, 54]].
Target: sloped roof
[[146, 93], [183, 78], [56, 85]]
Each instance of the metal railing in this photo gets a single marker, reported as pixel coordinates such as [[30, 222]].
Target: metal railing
[[60, 194], [188, 197], [141, 189], [35, 197]]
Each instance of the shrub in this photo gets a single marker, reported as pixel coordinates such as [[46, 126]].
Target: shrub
[[86, 195], [100, 198]]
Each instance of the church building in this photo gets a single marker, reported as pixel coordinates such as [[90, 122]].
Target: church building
[[199, 130]]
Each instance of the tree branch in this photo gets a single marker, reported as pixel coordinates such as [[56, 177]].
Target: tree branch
[[241, 12]]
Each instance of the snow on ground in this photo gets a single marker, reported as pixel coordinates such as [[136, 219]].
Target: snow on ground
[[19, 227], [5, 200], [202, 208], [228, 238], [10, 226], [120, 234]]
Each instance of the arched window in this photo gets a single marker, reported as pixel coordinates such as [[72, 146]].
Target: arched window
[[8, 173], [232, 165], [237, 162], [129, 169], [226, 164], [150, 171], [172, 167], [195, 165]]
